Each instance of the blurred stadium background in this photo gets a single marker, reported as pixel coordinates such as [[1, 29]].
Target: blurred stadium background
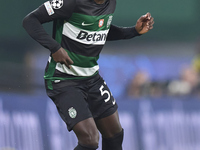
[[154, 78]]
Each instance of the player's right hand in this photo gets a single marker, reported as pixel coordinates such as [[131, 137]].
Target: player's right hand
[[62, 57]]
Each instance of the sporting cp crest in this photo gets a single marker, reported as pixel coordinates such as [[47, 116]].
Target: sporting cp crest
[[72, 112]]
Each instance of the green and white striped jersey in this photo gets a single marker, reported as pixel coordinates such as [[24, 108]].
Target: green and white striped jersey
[[82, 34]]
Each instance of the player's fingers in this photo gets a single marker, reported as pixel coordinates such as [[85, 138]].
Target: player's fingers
[[151, 23], [143, 18], [148, 16], [151, 27], [151, 20], [66, 64], [148, 26], [69, 61]]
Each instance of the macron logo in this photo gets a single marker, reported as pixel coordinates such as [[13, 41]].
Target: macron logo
[[88, 24]]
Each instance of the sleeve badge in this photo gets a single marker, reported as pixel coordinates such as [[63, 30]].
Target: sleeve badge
[[57, 4]]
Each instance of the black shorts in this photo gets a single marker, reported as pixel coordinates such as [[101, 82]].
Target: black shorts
[[77, 100]]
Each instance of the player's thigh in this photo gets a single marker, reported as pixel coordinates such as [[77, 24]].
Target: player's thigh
[[72, 106], [109, 126]]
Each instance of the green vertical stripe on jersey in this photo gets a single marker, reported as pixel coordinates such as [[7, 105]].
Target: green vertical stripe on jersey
[[50, 72], [90, 23], [52, 63]]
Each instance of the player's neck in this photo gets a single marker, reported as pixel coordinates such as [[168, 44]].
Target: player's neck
[[100, 1]]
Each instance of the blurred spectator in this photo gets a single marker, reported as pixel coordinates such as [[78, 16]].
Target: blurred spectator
[[187, 84], [157, 89], [142, 86], [139, 84]]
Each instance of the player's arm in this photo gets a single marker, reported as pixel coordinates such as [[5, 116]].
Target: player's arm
[[143, 25], [118, 33], [46, 13], [32, 23]]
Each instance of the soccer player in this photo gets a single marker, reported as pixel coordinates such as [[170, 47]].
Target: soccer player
[[82, 98]]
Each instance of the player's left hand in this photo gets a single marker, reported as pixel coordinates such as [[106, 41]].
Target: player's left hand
[[144, 23]]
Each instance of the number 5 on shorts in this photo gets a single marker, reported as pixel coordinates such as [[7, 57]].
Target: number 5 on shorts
[[104, 92]]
